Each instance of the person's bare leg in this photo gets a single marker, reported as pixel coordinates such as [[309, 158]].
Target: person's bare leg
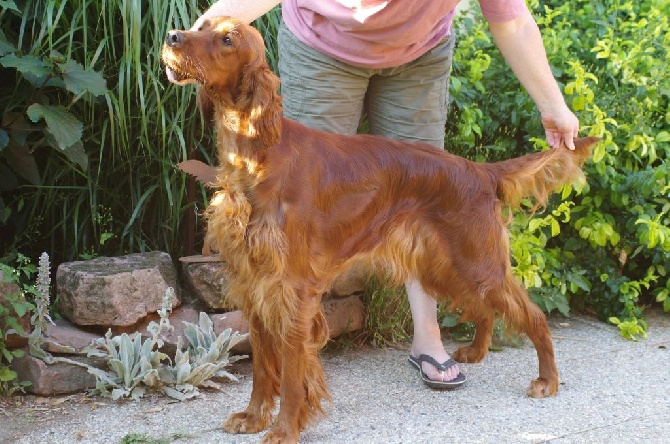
[[427, 338]]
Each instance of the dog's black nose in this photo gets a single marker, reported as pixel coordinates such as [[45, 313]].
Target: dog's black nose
[[174, 38]]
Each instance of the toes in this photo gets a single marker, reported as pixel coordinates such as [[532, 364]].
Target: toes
[[244, 422], [436, 375], [278, 435], [542, 388], [469, 354]]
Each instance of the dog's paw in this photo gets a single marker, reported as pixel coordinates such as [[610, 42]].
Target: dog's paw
[[245, 422], [277, 435], [469, 354], [542, 388]]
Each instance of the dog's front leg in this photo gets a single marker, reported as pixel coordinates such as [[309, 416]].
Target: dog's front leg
[[303, 383], [266, 368]]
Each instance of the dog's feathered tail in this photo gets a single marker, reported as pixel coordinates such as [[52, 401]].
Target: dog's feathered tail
[[538, 175]]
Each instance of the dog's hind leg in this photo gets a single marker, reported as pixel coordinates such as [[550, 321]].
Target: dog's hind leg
[[527, 317], [266, 372], [479, 348]]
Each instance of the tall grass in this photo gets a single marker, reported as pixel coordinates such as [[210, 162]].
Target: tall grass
[[131, 197]]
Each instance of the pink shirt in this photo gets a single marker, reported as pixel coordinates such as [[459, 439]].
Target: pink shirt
[[381, 33]]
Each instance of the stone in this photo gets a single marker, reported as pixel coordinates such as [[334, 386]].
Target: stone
[[350, 282], [171, 337], [344, 315], [207, 281], [11, 291], [67, 334], [55, 379], [117, 291], [236, 322]]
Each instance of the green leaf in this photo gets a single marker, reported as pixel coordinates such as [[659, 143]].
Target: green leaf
[[555, 228], [27, 64], [66, 128], [6, 374], [5, 45], [663, 136], [76, 154], [450, 320], [534, 224], [79, 80], [9, 4], [599, 152]]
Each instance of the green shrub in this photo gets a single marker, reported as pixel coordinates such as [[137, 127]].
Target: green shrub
[[608, 248], [99, 177], [13, 306]]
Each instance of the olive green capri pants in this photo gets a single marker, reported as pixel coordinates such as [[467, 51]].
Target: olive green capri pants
[[408, 102]]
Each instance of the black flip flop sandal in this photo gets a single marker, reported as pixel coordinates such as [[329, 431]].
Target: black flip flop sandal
[[440, 385]]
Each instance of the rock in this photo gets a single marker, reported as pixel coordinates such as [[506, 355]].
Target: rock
[[344, 315], [11, 292], [236, 322], [207, 280], [177, 318], [353, 281], [116, 291], [57, 378], [66, 334]]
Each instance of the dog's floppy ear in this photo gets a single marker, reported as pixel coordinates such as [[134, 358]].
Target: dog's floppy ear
[[259, 97], [205, 104]]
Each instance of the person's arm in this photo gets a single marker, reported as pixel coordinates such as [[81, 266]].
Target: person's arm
[[520, 42], [244, 10]]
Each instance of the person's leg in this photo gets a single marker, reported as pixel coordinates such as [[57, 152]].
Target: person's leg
[[410, 103], [318, 91]]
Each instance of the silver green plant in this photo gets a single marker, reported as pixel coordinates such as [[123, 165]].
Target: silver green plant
[[131, 361], [41, 319], [205, 357], [135, 364]]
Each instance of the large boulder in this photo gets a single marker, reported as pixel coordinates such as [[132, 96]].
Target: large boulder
[[116, 291]]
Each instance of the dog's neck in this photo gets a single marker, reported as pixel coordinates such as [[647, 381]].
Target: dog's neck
[[242, 143]]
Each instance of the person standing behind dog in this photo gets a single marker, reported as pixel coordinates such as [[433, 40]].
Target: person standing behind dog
[[391, 60]]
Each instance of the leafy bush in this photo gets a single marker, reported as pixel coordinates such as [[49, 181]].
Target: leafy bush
[[608, 248], [88, 168], [13, 306]]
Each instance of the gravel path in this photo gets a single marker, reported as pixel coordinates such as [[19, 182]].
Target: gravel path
[[612, 390]]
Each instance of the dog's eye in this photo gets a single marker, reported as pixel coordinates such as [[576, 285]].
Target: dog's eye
[[227, 40]]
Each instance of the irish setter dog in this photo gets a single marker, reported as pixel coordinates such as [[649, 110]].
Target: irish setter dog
[[295, 207]]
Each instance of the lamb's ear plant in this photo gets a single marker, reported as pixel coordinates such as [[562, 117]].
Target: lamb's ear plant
[[205, 357], [135, 364], [41, 319]]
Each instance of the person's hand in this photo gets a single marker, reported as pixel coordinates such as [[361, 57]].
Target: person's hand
[[561, 126]]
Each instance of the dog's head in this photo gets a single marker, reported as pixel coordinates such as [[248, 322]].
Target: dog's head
[[227, 58], [214, 55]]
